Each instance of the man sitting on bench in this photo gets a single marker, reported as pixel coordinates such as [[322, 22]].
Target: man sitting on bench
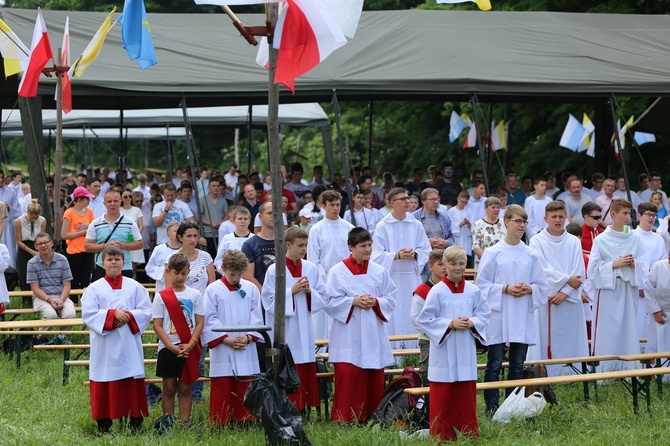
[[50, 277]]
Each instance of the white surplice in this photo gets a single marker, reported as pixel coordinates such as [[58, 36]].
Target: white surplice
[[299, 330], [453, 353], [512, 319], [358, 336], [115, 354], [657, 298], [562, 328], [392, 235], [656, 250], [228, 242], [224, 307], [535, 209], [155, 267], [327, 246], [614, 326]]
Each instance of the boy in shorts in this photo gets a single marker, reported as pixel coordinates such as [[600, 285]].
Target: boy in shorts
[[178, 318]]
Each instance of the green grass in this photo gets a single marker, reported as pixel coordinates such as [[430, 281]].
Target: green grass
[[35, 409]]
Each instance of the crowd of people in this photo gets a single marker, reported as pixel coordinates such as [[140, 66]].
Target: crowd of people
[[555, 267]]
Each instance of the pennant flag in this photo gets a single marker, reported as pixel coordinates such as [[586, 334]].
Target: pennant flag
[[93, 48], [573, 134], [591, 151], [40, 53], [589, 128], [66, 86], [233, 2], [471, 140], [484, 5], [14, 52], [136, 34], [644, 138], [305, 35], [456, 126], [621, 134], [498, 136]]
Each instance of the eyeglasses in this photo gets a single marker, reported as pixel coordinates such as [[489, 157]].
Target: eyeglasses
[[519, 221], [595, 217], [432, 199], [448, 170], [649, 215], [401, 199], [37, 245]]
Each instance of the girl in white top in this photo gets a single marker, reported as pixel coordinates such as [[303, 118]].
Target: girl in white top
[[135, 214], [202, 271]]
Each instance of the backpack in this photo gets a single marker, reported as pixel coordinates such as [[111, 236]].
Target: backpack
[[539, 371], [400, 409]]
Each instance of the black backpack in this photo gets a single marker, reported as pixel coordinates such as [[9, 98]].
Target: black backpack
[[400, 409], [539, 371]]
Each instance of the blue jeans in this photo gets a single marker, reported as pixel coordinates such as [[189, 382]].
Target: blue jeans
[[517, 355]]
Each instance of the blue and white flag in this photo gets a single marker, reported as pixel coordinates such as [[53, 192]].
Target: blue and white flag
[[456, 126], [643, 138], [573, 134]]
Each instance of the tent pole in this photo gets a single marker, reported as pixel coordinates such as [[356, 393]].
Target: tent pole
[[370, 132], [250, 152], [622, 155], [480, 147], [345, 171], [327, 136], [191, 157]]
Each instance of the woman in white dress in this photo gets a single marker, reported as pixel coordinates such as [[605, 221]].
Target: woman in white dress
[[135, 214]]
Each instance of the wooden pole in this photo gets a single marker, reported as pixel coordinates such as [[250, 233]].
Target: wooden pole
[[59, 150], [275, 172]]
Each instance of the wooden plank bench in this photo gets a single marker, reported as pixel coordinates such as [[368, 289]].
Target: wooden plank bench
[[636, 386], [649, 360], [398, 353], [392, 338]]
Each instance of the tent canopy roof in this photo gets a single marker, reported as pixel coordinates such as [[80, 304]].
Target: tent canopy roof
[[152, 133], [395, 54], [310, 114]]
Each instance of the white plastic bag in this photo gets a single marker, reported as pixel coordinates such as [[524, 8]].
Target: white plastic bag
[[516, 406]]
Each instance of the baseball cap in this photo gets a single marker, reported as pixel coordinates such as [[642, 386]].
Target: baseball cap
[[305, 213], [82, 192]]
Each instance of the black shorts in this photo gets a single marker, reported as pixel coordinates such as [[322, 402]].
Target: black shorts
[[169, 365]]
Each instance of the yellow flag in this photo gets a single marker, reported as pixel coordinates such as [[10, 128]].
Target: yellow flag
[[93, 48], [484, 5], [14, 52]]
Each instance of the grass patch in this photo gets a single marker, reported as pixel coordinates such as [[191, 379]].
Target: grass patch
[[35, 409]]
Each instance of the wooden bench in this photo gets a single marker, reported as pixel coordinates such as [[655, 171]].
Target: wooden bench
[[657, 359], [392, 338], [398, 353], [636, 385]]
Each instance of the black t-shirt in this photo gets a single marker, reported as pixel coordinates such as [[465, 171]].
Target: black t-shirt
[[261, 253]]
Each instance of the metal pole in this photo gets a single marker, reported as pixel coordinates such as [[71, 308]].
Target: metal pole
[[343, 156], [371, 128], [191, 156], [275, 172], [480, 148], [622, 156], [250, 152]]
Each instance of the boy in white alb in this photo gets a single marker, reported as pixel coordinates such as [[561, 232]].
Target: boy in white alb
[[656, 250], [233, 362], [178, 319], [305, 296], [155, 267], [461, 225], [234, 240], [618, 270], [117, 310], [512, 280], [455, 313], [657, 296], [535, 206], [361, 298], [562, 324]]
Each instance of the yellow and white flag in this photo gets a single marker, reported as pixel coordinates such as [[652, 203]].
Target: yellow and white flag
[[484, 5], [14, 52], [93, 48]]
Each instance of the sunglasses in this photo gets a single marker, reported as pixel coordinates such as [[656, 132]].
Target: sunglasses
[[595, 217], [126, 196]]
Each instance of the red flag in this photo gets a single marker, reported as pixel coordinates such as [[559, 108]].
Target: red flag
[[66, 86], [40, 53], [305, 35]]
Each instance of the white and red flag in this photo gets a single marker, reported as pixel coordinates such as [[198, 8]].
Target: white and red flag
[[66, 85], [40, 53], [305, 35]]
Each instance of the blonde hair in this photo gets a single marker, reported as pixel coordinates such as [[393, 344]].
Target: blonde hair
[[34, 208], [515, 210], [454, 254]]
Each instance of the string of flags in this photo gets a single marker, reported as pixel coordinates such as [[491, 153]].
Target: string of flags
[[137, 41]]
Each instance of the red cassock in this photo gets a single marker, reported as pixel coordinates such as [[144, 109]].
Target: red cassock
[[453, 407]]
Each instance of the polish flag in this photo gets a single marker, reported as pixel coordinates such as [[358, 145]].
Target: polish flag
[[305, 35], [66, 86], [40, 53]]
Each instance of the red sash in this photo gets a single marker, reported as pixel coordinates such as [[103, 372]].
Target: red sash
[[190, 373]]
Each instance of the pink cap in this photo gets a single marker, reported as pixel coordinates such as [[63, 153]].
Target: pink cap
[[82, 192]]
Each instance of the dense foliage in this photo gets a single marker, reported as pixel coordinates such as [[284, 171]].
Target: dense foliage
[[405, 133]]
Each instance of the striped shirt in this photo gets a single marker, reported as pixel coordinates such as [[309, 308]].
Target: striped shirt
[[49, 277], [126, 232]]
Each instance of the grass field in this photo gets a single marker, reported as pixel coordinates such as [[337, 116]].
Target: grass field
[[35, 409]]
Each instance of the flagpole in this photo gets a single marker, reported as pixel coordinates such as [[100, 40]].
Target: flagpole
[[275, 172], [482, 152], [345, 170], [60, 70], [250, 153], [622, 155]]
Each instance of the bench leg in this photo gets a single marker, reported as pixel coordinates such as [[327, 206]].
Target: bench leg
[[18, 346], [586, 384], [66, 369], [659, 381], [595, 382], [634, 390]]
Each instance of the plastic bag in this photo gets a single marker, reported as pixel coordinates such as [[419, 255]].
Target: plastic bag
[[280, 419], [518, 406], [287, 375]]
